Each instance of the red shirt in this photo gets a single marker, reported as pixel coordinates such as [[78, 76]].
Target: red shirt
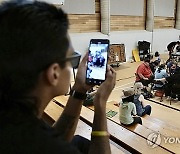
[[144, 70]]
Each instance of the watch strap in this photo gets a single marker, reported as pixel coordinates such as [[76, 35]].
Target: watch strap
[[78, 95]]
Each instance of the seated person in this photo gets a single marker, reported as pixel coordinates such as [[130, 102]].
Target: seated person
[[144, 73], [173, 84], [170, 48], [157, 55], [35, 66], [127, 109], [159, 74], [139, 100]]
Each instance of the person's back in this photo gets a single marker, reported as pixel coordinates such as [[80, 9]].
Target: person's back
[[171, 45], [139, 101], [159, 74], [138, 104], [22, 132], [126, 110]]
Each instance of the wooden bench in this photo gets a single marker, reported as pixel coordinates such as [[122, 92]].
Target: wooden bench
[[85, 130], [150, 125], [125, 138], [52, 113], [164, 113]]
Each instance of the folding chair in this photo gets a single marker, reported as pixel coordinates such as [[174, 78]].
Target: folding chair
[[159, 91]]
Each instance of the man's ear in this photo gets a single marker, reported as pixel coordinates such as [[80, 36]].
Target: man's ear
[[53, 73]]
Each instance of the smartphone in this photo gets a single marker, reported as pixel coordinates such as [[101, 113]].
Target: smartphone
[[97, 61]]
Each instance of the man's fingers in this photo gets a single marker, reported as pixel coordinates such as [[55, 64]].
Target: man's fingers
[[112, 70], [85, 58]]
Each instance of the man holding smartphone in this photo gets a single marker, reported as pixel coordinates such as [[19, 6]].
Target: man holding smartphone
[[35, 56]]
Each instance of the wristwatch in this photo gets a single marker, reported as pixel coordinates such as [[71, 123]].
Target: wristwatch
[[78, 95]]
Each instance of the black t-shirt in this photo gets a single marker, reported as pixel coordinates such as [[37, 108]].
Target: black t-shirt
[[171, 45], [175, 78], [23, 133]]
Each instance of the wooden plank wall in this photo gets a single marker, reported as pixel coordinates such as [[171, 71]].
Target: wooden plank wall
[[123, 23], [164, 22]]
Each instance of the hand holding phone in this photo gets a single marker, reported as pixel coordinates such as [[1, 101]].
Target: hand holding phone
[[105, 88], [97, 61]]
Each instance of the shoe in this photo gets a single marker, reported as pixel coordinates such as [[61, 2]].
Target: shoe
[[151, 95]]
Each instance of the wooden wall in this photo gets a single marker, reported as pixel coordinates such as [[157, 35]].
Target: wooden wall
[[86, 23], [164, 22], [122, 23]]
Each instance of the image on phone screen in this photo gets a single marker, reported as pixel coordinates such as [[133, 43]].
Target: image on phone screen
[[97, 62]]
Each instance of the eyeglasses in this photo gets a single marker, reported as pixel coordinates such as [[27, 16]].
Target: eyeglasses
[[74, 59]]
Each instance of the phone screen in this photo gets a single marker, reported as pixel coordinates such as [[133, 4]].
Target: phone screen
[[97, 61]]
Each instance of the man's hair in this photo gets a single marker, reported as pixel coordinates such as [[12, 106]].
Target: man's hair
[[156, 54], [138, 86], [161, 67], [32, 37], [147, 59]]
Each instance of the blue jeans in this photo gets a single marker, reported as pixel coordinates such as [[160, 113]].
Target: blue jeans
[[147, 110]]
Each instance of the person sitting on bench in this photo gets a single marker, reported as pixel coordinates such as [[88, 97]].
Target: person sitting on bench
[[127, 109], [144, 73], [139, 100]]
